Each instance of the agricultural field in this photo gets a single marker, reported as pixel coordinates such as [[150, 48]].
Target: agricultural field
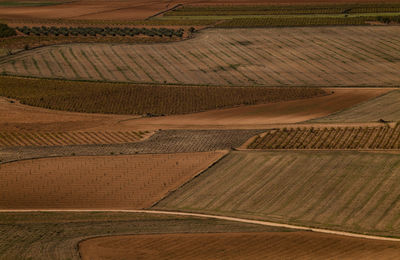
[[385, 107], [107, 98], [265, 245], [162, 142], [12, 139], [356, 138], [331, 56], [49, 236], [352, 191], [119, 182]]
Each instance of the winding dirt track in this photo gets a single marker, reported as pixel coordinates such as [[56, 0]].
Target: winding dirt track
[[241, 220]]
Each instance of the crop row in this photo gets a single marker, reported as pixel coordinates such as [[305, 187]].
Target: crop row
[[94, 97], [12, 139], [389, 19], [330, 138], [284, 9], [97, 31]]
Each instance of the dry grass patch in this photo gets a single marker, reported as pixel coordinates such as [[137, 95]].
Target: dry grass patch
[[350, 191], [332, 56], [293, 245], [116, 182]]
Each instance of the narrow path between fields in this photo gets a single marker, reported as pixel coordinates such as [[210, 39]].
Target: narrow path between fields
[[242, 220]]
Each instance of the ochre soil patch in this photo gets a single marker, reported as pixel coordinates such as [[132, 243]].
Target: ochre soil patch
[[384, 137], [268, 245], [111, 182], [352, 191], [261, 116]]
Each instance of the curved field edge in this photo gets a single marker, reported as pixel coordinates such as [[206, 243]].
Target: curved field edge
[[298, 245], [151, 100], [385, 107], [98, 182], [55, 235], [361, 56], [348, 191]]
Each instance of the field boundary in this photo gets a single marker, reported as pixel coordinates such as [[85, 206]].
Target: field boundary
[[234, 219]]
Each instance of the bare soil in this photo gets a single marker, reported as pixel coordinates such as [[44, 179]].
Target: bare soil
[[267, 245]]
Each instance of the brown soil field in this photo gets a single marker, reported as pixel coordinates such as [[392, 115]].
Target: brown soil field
[[267, 245], [386, 137], [113, 182], [385, 107], [348, 191], [18, 117], [260, 116], [169, 141], [320, 56], [12, 139], [137, 9], [55, 235]]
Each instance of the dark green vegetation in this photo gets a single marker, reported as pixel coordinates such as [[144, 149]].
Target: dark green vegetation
[[388, 20], [96, 97], [6, 31], [29, 3], [97, 31], [352, 191], [56, 235]]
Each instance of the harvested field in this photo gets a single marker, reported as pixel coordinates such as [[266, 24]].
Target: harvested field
[[12, 139], [170, 141], [261, 116], [95, 97], [331, 56], [387, 137], [352, 191], [116, 182], [267, 245], [49, 236], [385, 107]]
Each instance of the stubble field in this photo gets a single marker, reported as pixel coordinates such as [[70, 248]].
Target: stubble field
[[119, 182], [353, 191], [267, 245], [323, 56]]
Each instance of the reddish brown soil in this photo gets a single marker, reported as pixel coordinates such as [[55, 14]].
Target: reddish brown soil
[[260, 116], [128, 10], [102, 182], [271, 245]]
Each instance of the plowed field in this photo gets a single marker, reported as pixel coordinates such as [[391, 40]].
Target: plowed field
[[128, 182], [288, 245], [333, 56], [351, 191]]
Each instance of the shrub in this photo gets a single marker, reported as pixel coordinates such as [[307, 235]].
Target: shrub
[[6, 31]]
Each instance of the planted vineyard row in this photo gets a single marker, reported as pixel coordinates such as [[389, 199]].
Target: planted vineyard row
[[330, 138], [97, 31], [97, 97], [12, 139], [110, 182], [350, 56]]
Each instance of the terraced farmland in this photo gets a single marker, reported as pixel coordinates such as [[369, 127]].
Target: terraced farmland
[[330, 138], [386, 107], [353, 191], [331, 56], [127, 182], [11, 139]]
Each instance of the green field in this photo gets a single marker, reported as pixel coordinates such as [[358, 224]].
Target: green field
[[42, 236], [350, 191], [386, 107]]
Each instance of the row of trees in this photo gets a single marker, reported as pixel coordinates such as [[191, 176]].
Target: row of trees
[[96, 31], [389, 19], [6, 31]]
